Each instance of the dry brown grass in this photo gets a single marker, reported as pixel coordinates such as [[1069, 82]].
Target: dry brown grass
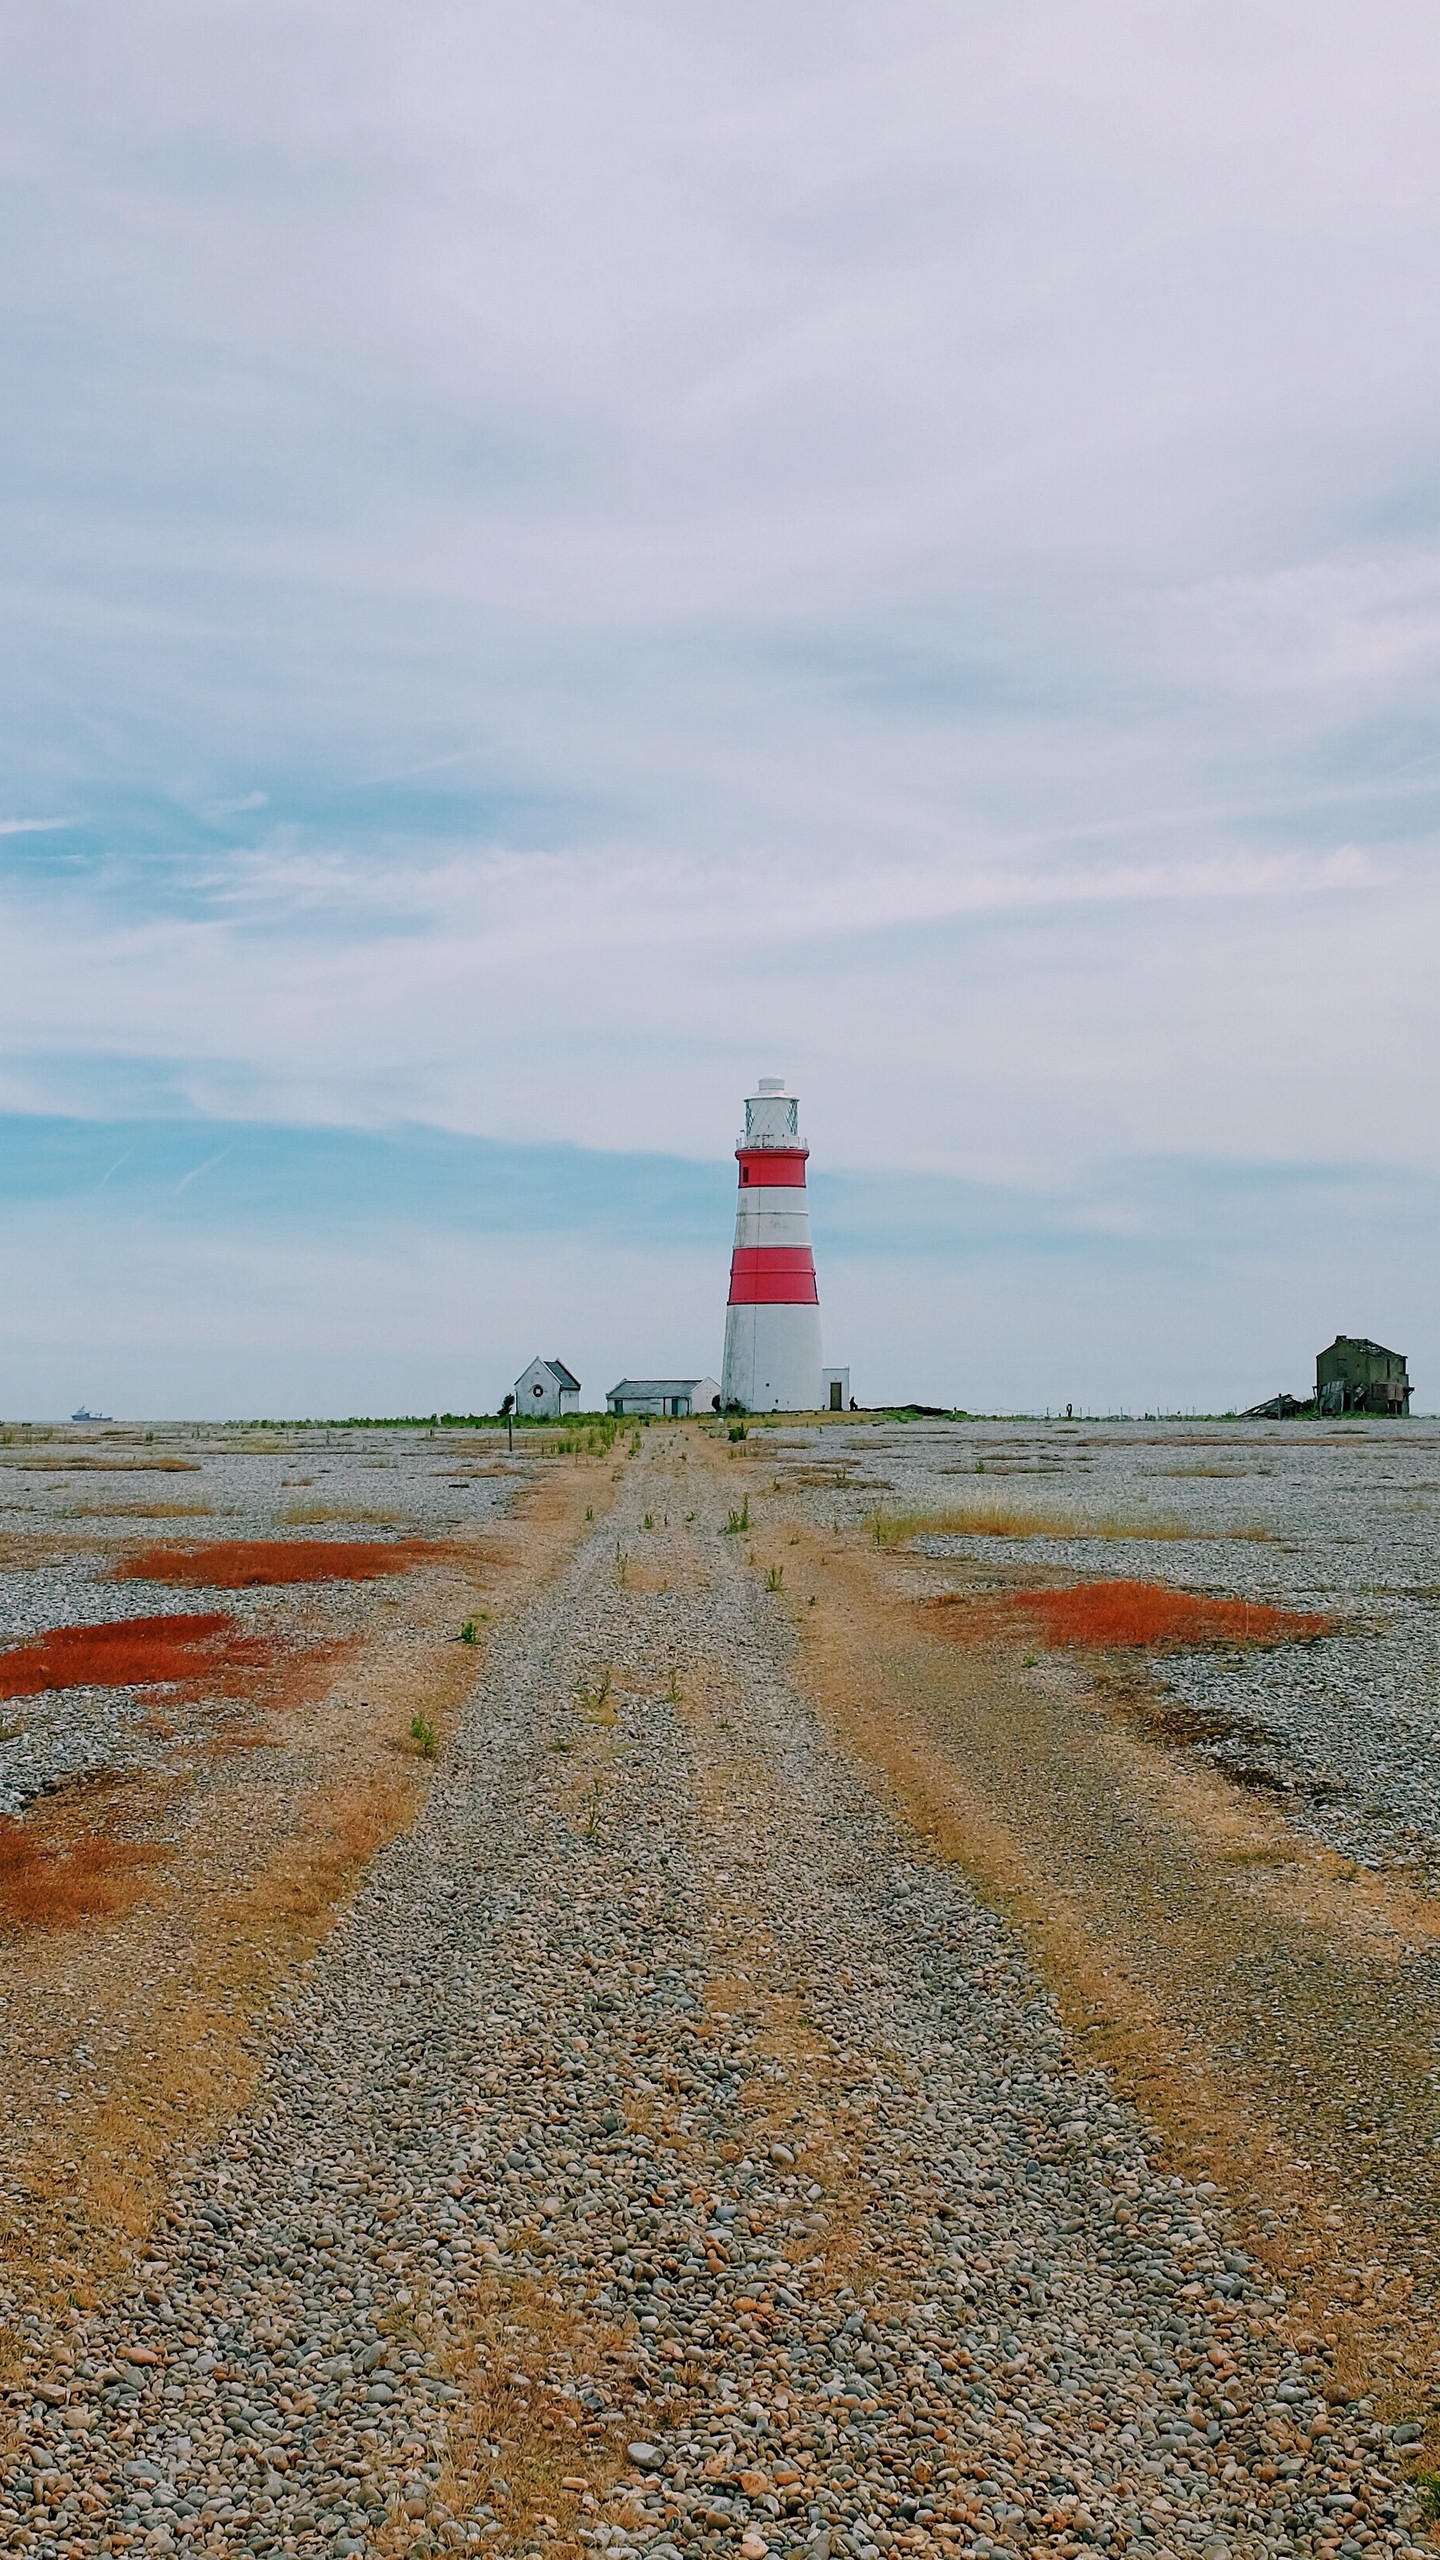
[[896, 1528], [197, 2054], [309, 1515], [308, 1874], [1215, 1472], [140, 1511], [27, 1551], [53, 1461], [500, 2343], [749, 1981], [200, 2051]]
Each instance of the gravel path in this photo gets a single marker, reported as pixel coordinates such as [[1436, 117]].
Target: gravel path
[[666, 2151]]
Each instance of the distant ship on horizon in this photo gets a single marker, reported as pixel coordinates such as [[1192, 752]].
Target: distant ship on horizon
[[83, 1414]]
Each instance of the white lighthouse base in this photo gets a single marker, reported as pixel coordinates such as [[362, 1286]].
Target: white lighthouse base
[[772, 1359]]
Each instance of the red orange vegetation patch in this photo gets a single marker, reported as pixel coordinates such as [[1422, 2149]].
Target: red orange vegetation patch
[[243, 1564], [53, 1884], [1154, 1615], [129, 1654]]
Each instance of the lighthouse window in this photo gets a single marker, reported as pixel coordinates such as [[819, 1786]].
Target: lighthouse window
[[744, 1173]]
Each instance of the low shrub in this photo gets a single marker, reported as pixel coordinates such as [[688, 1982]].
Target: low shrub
[[313, 1515], [1131, 1616], [245, 1564], [131, 1653], [46, 1884]]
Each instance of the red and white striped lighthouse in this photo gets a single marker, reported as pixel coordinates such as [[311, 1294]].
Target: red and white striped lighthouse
[[772, 1328]]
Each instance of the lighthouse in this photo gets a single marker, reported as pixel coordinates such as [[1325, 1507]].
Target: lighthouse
[[772, 1328]]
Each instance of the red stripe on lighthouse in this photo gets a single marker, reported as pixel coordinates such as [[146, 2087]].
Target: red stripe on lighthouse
[[774, 1168], [773, 1275]]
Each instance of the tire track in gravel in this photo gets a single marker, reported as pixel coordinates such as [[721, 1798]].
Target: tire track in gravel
[[666, 2153], [121, 2040], [1277, 2015]]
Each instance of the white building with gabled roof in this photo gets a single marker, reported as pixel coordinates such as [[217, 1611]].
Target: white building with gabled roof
[[547, 1390]]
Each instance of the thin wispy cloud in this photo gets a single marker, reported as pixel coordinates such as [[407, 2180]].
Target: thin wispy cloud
[[240, 807], [198, 1172]]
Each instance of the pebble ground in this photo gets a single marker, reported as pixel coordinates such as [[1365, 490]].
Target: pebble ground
[[77, 1522], [1342, 1735], [667, 2154]]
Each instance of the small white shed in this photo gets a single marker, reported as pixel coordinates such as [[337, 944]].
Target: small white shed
[[664, 1396], [547, 1389]]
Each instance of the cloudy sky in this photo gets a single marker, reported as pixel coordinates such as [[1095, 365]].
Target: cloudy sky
[[559, 559]]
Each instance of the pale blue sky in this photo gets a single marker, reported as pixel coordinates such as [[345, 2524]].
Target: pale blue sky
[[559, 560]]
